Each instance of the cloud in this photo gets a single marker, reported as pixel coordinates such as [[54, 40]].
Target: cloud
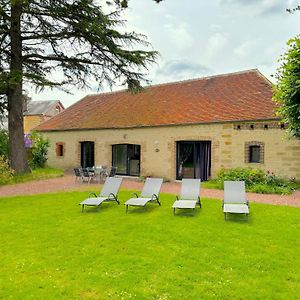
[[179, 33], [180, 69], [216, 44], [261, 7], [247, 48]]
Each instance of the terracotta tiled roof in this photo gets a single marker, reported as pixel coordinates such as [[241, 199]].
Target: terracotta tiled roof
[[242, 96]]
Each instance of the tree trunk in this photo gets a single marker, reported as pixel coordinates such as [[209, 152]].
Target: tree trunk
[[17, 152]]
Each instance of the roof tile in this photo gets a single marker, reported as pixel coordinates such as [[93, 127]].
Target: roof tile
[[231, 97]]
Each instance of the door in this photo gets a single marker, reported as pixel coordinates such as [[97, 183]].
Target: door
[[87, 154], [126, 158], [120, 158], [193, 159]]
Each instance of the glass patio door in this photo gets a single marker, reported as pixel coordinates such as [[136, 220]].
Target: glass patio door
[[120, 158], [126, 157], [193, 159]]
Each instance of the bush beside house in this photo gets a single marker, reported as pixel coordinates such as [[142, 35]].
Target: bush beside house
[[39, 150], [257, 181], [6, 173]]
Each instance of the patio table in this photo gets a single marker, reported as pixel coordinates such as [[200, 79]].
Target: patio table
[[101, 172]]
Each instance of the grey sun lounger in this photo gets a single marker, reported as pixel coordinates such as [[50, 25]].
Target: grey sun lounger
[[235, 201], [109, 192], [189, 195], [149, 193]]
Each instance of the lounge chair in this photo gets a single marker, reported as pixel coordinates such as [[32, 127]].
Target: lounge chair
[[108, 193], [189, 195], [149, 193], [235, 198]]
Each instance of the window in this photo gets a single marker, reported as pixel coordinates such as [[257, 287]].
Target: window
[[60, 149], [254, 154], [58, 108]]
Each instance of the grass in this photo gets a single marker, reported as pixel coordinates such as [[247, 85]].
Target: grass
[[37, 174], [212, 184], [260, 188], [50, 250]]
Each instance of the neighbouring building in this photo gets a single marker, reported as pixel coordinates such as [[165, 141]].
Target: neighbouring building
[[35, 113], [38, 112], [177, 130]]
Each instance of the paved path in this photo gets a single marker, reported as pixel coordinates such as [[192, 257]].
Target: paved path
[[67, 183]]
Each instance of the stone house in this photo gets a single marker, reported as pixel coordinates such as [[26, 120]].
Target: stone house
[[177, 130], [37, 112]]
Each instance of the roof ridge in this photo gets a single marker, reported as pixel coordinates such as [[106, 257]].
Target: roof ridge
[[34, 101], [181, 81], [207, 77]]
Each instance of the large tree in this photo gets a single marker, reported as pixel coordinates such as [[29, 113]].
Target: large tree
[[287, 89], [58, 43]]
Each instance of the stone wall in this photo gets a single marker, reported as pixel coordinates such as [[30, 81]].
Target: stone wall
[[281, 155], [32, 121]]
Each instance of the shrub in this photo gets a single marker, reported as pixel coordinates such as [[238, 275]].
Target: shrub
[[39, 150], [271, 189], [250, 176], [272, 179], [3, 142], [6, 173], [257, 181]]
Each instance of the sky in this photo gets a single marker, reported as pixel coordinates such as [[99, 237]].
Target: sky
[[197, 38]]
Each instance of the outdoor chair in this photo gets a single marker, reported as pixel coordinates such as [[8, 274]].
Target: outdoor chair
[[112, 172], [235, 198], [78, 174], [88, 175], [149, 193], [108, 193], [189, 195]]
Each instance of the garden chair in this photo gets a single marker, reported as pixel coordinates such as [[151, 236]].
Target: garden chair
[[189, 195], [112, 172], [235, 198], [149, 193], [88, 175], [108, 193], [78, 174]]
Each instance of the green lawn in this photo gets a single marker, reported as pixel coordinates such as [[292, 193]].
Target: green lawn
[[50, 250], [37, 174]]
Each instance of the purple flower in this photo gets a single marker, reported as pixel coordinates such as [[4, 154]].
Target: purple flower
[[27, 140]]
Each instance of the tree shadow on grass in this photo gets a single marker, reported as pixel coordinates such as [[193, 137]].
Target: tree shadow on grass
[[103, 207], [186, 212], [142, 209], [237, 218]]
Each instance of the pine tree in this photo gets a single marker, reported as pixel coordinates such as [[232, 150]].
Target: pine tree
[[39, 38]]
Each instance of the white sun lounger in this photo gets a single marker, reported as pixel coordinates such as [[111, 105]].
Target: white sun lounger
[[235, 198], [109, 192], [189, 195], [149, 193]]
